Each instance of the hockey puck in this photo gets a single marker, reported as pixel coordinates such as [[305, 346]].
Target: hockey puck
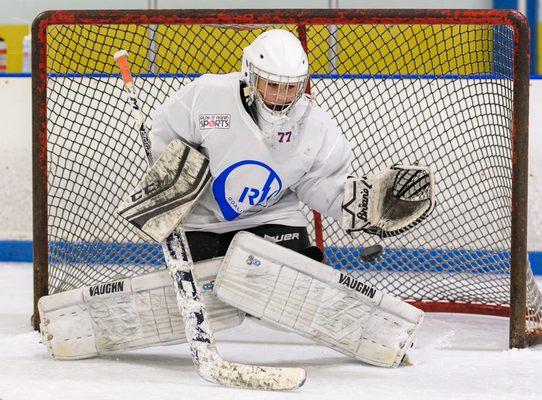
[[371, 253]]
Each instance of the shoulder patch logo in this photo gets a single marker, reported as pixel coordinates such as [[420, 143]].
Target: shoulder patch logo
[[214, 121]]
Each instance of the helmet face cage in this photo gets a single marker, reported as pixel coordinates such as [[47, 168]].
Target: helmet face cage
[[275, 92]]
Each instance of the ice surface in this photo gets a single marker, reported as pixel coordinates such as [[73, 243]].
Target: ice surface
[[456, 357]]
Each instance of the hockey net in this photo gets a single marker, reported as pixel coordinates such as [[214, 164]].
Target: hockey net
[[446, 89]]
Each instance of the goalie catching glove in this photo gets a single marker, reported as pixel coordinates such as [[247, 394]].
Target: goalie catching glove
[[390, 202]]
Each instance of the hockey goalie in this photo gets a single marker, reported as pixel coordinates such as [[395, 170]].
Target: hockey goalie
[[235, 156]]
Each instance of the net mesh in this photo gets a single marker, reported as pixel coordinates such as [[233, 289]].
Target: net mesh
[[439, 95]]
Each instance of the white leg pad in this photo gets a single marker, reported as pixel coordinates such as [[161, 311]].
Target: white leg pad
[[128, 314], [295, 292]]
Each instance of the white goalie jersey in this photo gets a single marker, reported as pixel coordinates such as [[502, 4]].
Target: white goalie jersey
[[257, 178]]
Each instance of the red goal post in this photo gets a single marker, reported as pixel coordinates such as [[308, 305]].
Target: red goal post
[[444, 87]]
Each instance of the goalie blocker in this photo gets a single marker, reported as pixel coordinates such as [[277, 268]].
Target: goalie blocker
[[292, 291], [390, 202], [167, 192]]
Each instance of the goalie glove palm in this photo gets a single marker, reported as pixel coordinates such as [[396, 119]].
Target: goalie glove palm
[[390, 202]]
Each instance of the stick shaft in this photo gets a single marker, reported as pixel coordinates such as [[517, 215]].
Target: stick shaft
[[199, 335]]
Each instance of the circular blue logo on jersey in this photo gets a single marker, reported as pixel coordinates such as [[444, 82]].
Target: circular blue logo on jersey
[[243, 185]]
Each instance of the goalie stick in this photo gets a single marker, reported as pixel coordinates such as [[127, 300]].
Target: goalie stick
[[208, 362]]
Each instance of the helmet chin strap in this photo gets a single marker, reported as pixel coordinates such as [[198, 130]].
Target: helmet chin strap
[[277, 107], [270, 123]]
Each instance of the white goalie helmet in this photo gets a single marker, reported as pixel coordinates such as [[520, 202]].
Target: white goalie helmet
[[276, 69]]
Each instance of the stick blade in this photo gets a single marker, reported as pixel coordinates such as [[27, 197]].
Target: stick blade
[[253, 376]]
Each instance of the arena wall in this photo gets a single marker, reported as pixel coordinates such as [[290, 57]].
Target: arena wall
[[15, 163]]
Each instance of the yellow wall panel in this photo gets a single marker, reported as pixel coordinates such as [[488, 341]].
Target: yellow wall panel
[[13, 35], [320, 52], [89, 49], [414, 50], [194, 49], [185, 49]]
